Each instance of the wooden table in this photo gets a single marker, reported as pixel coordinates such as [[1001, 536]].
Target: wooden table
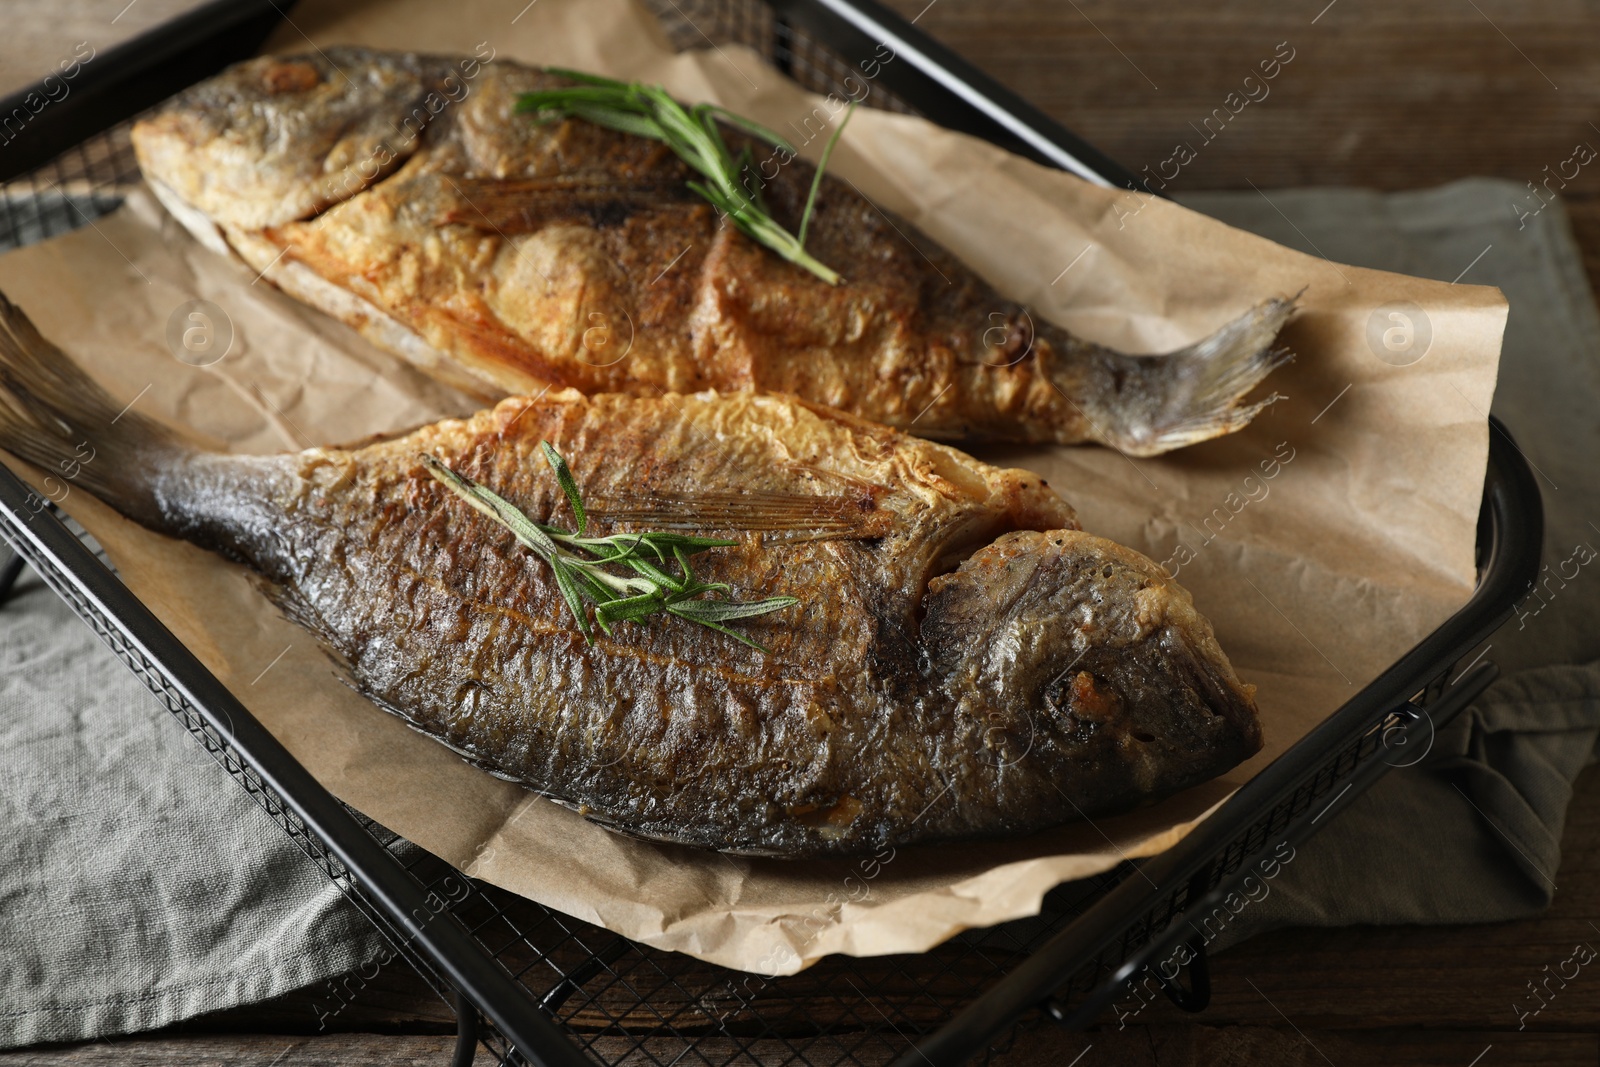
[[1400, 95]]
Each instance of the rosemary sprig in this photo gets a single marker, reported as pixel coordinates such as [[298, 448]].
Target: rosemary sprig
[[579, 562], [648, 111]]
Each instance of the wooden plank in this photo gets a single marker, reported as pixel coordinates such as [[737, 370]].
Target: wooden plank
[[1254, 1046], [1396, 96]]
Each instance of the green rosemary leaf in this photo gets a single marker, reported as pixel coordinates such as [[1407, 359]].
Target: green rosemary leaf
[[579, 563], [569, 95], [590, 584], [708, 123], [462, 486], [655, 574], [681, 553], [618, 548], [569, 487], [728, 610], [621, 121], [611, 552], [630, 609], [822, 165], [570, 592], [523, 528]]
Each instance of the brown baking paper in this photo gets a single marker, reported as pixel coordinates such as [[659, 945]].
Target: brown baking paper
[[1325, 539]]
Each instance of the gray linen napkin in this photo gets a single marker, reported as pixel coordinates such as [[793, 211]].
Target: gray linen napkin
[[138, 884], [1473, 832]]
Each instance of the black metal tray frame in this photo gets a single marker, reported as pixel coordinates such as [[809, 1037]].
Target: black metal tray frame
[[539, 979]]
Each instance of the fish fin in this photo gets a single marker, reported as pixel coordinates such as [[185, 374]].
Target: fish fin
[[1147, 405], [55, 417], [808, 516], [524, 205]]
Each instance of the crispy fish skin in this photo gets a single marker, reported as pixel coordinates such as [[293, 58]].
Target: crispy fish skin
[[507, 255], [259, 166], [1046, 676]]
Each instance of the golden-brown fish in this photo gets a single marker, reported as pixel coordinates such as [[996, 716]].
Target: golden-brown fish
[[402, 194], [964, 661]]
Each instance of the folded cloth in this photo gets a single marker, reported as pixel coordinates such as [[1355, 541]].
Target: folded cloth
[[138, 884], [1472, 833]]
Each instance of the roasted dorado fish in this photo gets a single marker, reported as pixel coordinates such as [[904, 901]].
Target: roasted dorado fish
[[404, 195], [963, 662]]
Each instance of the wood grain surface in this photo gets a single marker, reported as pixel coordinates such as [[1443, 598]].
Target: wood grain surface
[[1395, 95]]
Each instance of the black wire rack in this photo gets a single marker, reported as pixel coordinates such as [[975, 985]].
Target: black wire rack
[[531, 985]]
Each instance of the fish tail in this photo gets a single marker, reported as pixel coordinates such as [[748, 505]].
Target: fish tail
[[53, 416], [1147, 405]]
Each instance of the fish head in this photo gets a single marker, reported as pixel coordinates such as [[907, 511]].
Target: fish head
[[1081, 663], [279, 138]]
